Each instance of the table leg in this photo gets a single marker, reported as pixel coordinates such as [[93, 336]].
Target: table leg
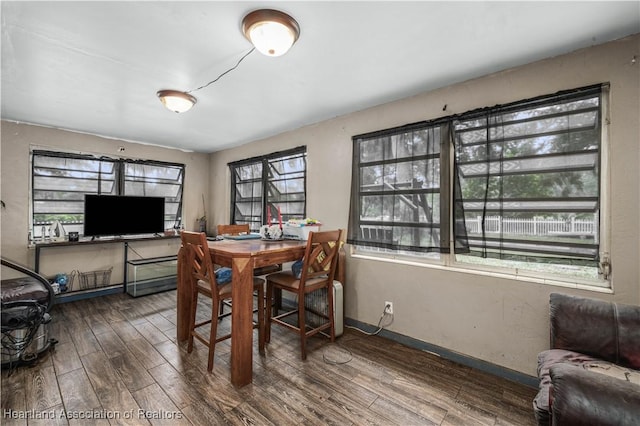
[[183, 297], [242, 322]]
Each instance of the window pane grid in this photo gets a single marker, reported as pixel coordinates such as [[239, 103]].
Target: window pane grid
[[156, 180], [396, 201], [274, 181], [82, 186], [527, 178], [59, 185], [62, 164], [583, 120], [525, 185], [60, 181], [286, 182]]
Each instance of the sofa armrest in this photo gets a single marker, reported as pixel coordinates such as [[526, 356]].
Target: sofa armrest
[[586, 398], [606, 330]]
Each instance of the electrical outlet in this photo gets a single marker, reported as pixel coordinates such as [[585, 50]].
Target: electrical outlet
[[388, 308]]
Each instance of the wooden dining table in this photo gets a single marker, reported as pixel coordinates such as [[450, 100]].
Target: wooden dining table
[[242, 256]]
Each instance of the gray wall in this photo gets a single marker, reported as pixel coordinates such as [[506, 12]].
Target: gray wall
[[493, 318]]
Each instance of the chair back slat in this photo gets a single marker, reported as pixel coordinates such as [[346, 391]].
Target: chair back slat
[[321, 256], [199, 258]]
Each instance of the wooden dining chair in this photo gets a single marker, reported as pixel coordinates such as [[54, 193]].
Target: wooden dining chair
[[203, 282], [318, 271], [234, 229]]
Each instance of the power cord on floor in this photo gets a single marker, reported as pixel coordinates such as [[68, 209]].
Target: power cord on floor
[[380, 326], [328, 360]]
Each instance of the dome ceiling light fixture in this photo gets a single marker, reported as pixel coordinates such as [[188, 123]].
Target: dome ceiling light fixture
[[176, 101], [272, 32]]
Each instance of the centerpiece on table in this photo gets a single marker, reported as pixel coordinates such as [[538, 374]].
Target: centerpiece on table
[[298, 229], [271, 232]]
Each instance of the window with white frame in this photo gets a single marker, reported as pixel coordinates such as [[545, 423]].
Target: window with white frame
[[60, 180], [524, 185], [262, 187]]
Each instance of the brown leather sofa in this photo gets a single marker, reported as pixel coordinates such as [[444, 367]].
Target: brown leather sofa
[[590, 375]]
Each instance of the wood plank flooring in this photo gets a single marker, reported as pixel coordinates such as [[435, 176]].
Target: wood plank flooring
[[117, 362]]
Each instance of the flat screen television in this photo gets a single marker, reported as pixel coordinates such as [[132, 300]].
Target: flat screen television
[[107, 215]]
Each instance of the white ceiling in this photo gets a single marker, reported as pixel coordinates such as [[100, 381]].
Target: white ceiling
[[95, 67]]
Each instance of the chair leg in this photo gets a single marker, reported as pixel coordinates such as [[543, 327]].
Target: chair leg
[[192, 320], [267, 323], [212, 338], [303, 329], [330, 310], [277, 299], [261, 332]]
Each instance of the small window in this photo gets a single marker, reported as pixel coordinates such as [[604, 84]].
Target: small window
[[60, 180], [396, 200], [263, 186]]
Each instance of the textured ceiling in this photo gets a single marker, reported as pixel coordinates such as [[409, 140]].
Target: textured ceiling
[[95, 67]]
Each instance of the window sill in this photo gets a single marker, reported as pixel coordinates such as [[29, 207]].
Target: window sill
[[563, 282]]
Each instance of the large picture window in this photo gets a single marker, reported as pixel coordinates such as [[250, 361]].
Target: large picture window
[[523, 192], [262, 186], [528, 179], [60, 181]]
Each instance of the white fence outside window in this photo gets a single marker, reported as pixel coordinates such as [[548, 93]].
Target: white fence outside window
[[534, 226], [583, 228]]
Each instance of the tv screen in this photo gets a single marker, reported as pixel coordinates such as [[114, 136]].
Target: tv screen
[[122, 215]]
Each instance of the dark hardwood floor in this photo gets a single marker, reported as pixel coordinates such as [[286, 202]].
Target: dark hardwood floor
[[117, 363]]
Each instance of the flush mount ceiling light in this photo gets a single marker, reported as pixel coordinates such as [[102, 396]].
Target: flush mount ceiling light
[[272, 32], [176, 101]]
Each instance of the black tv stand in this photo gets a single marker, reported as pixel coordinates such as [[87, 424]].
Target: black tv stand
[[119, 288], [94, 240]]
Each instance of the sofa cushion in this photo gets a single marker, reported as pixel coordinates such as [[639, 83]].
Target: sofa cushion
[[546, 360], [585, 398], [550, 358]]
